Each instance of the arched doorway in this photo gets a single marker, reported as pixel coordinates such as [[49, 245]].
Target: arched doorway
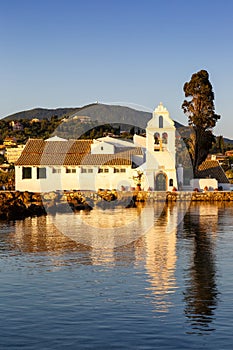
[[161, 182]]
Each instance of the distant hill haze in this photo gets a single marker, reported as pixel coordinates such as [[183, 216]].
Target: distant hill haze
[[104, 114], [40, 113]]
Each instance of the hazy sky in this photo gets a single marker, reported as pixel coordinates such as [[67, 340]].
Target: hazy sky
[[63, 53]]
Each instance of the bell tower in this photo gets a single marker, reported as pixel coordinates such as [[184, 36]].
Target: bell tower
[[160, 150], [160, 132]]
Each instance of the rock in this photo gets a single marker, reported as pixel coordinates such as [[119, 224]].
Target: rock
[[36, 210]]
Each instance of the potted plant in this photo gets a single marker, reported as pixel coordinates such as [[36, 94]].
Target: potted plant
[[138, 180]]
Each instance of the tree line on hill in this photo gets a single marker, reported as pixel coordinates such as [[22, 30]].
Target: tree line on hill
[[41, 129], [71, 129]]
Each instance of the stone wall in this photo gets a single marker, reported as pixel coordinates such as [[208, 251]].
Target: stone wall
[[209, 196], [19, 205]]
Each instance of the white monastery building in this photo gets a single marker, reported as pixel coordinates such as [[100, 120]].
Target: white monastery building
[[107, 163]]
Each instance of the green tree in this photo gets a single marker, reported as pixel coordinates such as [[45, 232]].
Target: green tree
[[199, 107]]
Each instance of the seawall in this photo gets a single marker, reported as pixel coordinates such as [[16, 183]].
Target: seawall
[[209, 196], [19, 205]]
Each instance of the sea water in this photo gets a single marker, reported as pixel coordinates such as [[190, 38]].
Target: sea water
[[156, 277]]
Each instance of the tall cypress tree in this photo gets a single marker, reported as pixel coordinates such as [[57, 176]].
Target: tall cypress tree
[[199, 107]]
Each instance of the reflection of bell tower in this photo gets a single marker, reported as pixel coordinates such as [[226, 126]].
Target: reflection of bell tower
[[160, 258]]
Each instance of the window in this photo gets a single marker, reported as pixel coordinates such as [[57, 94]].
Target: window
[[122, 170], [116, 170], [69, 171], [27, 173], [102, 148], [170, 182], [164, 137], [160, 122], [90, 170], [83, 170], [41, 173], [103, 170], [156, 138], [56, 171]]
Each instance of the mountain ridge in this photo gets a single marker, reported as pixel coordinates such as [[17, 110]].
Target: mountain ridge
[[103, 113], [96, 111]]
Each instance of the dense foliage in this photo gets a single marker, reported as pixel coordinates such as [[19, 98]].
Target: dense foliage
[[199, 107], [69, 129], [38, 129]]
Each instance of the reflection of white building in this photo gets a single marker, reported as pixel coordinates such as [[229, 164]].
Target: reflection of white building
[[161, 257], [60, 164]]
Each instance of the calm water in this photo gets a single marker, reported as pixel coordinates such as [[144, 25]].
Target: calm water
[[152, 278]]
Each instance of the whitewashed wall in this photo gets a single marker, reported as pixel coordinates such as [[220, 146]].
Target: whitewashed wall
[[102, 148], [202, 183], [75, 181]]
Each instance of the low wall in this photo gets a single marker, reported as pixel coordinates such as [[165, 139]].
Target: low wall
[[202, 183], [209, 196], [183, 196]]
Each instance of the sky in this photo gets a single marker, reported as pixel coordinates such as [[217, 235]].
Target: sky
[[69, 53]]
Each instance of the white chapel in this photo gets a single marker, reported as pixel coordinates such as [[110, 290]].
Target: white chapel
[[108, 162]]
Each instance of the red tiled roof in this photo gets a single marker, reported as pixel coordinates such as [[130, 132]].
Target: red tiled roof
[[39, 152], [121, 158]]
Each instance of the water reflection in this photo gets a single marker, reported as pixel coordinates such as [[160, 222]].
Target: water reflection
[[97, 232], [105, 229], [160, 246], [155, 251], [200, 227], [38, 234]]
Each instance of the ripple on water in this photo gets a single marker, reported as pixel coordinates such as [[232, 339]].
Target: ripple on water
[[169, 288]]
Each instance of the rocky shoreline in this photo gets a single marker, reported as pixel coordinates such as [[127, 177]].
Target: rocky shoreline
[[16, 205]]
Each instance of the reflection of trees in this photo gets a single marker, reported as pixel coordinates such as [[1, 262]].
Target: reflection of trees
[[201, 293]]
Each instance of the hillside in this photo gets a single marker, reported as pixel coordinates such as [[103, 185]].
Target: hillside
[[100, 114], [110, 114], [40, 113], [43, 113], [228, 141], [104, 114], [103, 118]]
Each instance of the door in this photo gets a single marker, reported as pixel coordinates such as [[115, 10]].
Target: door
[[160, 182]]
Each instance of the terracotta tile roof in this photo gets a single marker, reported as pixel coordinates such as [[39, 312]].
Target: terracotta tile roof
[[121, 158], [39, 152], [212, 169]]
